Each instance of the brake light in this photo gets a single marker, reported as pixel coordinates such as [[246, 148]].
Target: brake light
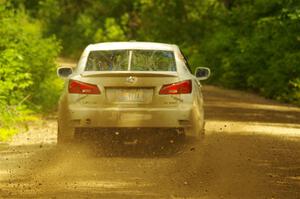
[[82, 88], [183, 87]]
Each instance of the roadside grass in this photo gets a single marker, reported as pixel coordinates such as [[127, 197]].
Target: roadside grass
[[14, 120], [6, 133]]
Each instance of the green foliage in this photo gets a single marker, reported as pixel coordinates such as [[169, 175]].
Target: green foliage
[[255, 46], [249, 45], [27, 65], [7, 133], [79, 23]]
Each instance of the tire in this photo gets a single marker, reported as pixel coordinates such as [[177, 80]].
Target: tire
[[201, 134], [196, 131], [65, 134]]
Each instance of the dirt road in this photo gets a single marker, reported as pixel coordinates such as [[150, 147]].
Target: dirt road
[[251, 150]]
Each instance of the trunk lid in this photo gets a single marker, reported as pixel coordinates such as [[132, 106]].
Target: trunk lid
[[133, 89]]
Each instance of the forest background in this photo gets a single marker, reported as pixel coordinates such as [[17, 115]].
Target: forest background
[[250, 45]]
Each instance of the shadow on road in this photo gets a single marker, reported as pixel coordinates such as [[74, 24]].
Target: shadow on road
[[228, 105]]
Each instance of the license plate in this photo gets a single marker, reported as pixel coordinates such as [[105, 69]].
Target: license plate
[[130, 95]]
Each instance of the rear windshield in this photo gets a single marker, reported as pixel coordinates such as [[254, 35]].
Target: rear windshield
[[132, 60]]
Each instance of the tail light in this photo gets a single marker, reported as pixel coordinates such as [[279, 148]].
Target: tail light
[[82, 88], [183, 87]]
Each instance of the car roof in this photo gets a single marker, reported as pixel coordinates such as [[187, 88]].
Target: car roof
[[131, 45]]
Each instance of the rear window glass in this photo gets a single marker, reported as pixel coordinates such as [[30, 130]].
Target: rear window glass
[[133, 60]]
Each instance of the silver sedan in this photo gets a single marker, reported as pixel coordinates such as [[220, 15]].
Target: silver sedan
[[131, 86]]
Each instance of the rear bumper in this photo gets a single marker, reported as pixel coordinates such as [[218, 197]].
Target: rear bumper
[[131, 117]]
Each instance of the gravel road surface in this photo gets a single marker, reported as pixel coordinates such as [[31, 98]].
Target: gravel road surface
[[251, 150]]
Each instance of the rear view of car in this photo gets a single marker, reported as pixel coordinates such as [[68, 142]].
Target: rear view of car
[[130, 85]]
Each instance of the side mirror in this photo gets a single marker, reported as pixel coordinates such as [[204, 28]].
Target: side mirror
[[202, 73], [64, 72]]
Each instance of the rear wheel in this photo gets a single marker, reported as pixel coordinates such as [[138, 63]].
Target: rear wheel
[[65, 134], [201, 133], [197, 131]]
